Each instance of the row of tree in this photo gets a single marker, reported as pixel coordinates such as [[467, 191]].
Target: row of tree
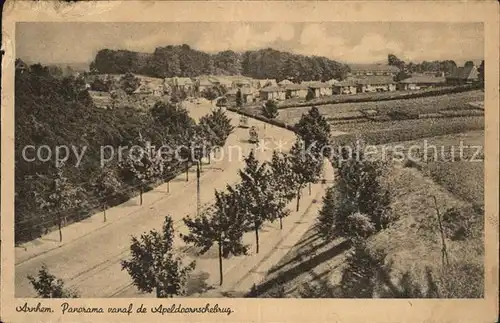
[[52, 111], [182, 60], [263, 193]]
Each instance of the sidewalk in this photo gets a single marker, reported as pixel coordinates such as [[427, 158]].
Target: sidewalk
[[78, 230]]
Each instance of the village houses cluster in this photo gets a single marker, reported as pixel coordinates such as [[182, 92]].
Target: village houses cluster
[[362, 78]]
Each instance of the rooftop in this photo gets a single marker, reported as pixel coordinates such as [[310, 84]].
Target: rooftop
[[374, 68]]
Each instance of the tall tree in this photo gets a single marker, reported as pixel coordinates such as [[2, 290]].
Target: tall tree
[[306, 166], [106, 185], [61, 197], [48, 286], [283, 179], [219, 124], [314, 130], [480, 71], [358, 195], [223, 224], [239, 98], [144, 164], [154, 265], [257, 195]]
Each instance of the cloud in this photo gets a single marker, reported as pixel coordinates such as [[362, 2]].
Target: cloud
[[245, 37], [149, 43], [317, 40]]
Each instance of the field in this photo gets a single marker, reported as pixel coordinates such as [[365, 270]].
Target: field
[[463, 176], [413, 107]]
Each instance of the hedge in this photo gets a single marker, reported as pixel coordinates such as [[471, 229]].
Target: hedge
[[390, 96], [409, 133]]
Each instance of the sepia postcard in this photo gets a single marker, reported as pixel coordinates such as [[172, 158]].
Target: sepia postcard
[[249, 161]]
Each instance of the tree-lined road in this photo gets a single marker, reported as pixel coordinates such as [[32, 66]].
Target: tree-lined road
[[89, 257]]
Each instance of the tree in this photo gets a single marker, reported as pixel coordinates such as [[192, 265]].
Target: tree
[[221, 102], [106, 186], [310, 95], [469, 64], [270, 110], [283, 179], [306, 166], [394, 61], [144, 165], [48, 286], [480, 71], [153, 264], [61, 197], [129, 83], [358, 195], [223, 223], [219, 124], [257, 195], [209, 94], [314, 129], [239, 98]]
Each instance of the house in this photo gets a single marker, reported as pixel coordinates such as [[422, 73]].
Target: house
[[226, 83], [332, 81], [375, 84], [240, 83], [296, 91], [320, 89], [273, 93], [203, 84], [348, 86], [247, 94], [267, 82], [181, 83], [417, 82], [463, 75], [373, 69], [285, 82]]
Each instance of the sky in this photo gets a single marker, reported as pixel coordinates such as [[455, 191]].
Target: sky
[[349, 42]]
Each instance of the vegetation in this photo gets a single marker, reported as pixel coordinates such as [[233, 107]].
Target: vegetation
[[154, 265], [58, 111], [223, 224], [270, 110], [314, 130], [258, 197], [306, 166], [48, 286], [358, 205], [380, 96], [182, 60]]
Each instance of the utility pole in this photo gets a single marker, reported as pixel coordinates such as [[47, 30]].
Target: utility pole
[[198, 188]]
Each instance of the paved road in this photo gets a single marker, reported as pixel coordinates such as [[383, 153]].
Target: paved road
[[89, 257]]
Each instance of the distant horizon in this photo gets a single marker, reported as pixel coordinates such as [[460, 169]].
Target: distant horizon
[[346, 42]]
